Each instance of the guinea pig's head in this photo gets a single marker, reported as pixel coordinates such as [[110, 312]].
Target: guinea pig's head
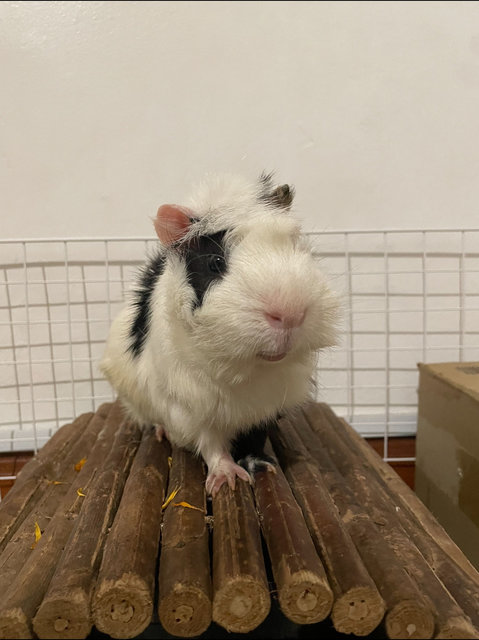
[[252, 294]]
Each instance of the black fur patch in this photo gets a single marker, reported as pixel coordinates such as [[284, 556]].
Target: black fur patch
[[148, 276], [249, 446], [205, 262], [254, 465]]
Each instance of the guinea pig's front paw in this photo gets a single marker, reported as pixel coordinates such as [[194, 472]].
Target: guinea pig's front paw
[[254, 464], [225, 470]]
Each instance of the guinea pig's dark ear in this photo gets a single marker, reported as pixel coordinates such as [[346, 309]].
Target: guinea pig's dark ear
[[172, 223], [281, 197]]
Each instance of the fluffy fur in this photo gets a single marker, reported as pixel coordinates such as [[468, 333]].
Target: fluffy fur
[[202, 371]]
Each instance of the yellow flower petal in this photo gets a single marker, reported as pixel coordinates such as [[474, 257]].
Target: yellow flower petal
[[170, 460], [169, 498], [187, 505], [80, 464], [38, 535], [80, 492]]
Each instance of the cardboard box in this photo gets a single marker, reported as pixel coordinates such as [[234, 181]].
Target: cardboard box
[[447, 449]]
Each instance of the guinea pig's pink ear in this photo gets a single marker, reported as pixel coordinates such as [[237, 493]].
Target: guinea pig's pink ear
[[172, 222]]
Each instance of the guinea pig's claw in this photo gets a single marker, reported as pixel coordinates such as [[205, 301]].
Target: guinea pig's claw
[[225, 471], [161, 433]]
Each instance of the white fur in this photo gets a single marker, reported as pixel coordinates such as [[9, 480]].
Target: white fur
[[199, 372]]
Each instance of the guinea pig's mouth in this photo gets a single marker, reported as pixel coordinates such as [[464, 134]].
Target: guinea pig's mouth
[[272, 357]]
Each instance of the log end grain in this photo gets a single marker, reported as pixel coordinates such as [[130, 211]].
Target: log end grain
[[409, 619], [14, 624], [306, 599], [64, 618], [241, 604], [123, 608], [185, 611], [358, 611]]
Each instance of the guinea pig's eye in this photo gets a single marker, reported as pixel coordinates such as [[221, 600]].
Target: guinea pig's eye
[[216, 264]]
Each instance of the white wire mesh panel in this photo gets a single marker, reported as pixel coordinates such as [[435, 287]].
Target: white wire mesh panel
[[58, 300], [408, 296]]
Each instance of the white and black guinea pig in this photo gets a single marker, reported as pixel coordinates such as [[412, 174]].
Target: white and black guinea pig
[[221, 333]]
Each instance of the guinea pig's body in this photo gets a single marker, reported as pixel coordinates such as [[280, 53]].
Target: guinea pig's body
[[221, 332]]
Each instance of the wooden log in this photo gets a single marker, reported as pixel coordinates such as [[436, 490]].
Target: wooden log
[[446, 560], [380, 503], [407, 498], [304, 594], [123, 599], [35, 477], [241, 599], [442, 554], [408, 614], [358, 607], [48, 461], [22, 601], [184, 581], [65, 611], [18, 550]]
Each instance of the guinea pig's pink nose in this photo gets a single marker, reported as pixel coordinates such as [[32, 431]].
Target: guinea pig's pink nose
[[282, 320]]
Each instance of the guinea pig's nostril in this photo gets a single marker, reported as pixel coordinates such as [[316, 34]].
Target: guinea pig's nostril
[[284, 320], [275, 320]]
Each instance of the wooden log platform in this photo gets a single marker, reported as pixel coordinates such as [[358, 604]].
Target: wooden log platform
[[108, 528]]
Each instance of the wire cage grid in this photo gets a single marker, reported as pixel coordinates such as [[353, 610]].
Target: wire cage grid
[[408, 296]]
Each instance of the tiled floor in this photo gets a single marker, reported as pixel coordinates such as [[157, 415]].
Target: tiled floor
[[399, 448], [10, 465]]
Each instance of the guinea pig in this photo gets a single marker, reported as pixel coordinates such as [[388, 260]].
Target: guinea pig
[[221, 332]]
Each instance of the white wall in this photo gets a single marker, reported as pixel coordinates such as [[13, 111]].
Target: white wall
[[108, 109]]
